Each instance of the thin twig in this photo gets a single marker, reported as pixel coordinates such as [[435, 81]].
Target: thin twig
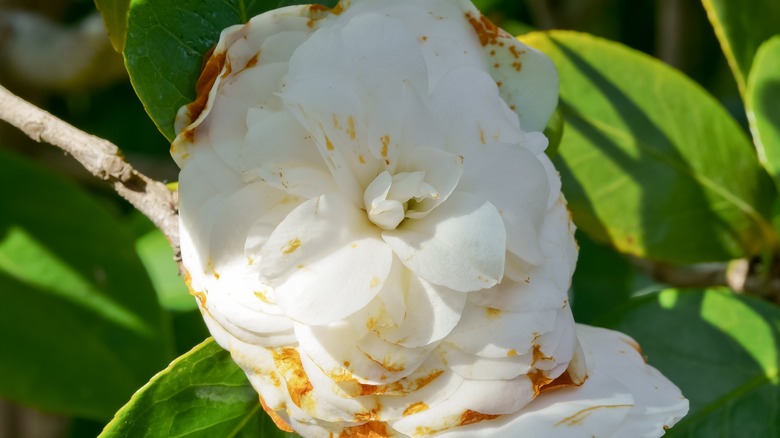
[[101, 158]]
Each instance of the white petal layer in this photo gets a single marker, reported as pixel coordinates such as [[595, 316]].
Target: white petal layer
[[324, 260], [622, 397], [459, 245]]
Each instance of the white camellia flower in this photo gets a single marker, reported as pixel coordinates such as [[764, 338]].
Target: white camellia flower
[[372, 229]]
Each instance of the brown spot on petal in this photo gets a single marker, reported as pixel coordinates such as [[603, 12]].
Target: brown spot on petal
[[385, 139], [361, 159], [541, 383], [200, 296], [538, 355], [471, 417], [211, 269], [402, 386], [487, 32], [288, 364], [291, 246], [351, 127], [581, 415], [208, 75], [538, 381], [372, 429], [393, 368], [252, 61], [633, 345], [188, 134], [415, 408], [278, 421], [511, 353], [492, 313], [329, 144]]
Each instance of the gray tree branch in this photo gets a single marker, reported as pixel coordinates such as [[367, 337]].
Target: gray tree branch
[[101, 158]]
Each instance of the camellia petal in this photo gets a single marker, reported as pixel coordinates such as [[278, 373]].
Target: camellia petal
[[459, 245], [371, 227], [324, 260]]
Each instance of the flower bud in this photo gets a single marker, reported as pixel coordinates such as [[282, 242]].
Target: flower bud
[[372, 229]]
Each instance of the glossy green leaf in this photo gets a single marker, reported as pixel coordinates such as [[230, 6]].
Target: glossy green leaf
[[741, 27], [721, 349], [82, 329], [114, 13], [650, 162], [762, 101], [201, 394], [167, 41]]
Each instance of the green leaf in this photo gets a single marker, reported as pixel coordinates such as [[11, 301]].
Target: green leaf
[[603, 280], [762, 101], [741, 27], [156, 254], [554, 133], [114, 13], [166, 44], [201, 394], [721, 349], [82, 326], [650, 162]]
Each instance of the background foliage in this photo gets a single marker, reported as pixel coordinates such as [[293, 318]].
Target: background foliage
[[668, 144]]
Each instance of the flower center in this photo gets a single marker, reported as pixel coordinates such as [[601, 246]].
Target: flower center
[[391, 198]]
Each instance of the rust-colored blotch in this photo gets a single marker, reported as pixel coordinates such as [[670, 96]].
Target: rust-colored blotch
[[278, 421], [372, 429], [415, 408], [487, 32], [541, 383], [471, 417], [211, 69], [288, 364]]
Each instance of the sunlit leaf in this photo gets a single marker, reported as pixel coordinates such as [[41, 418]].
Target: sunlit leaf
[[201, 394], [762, 100], [651, 163]]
